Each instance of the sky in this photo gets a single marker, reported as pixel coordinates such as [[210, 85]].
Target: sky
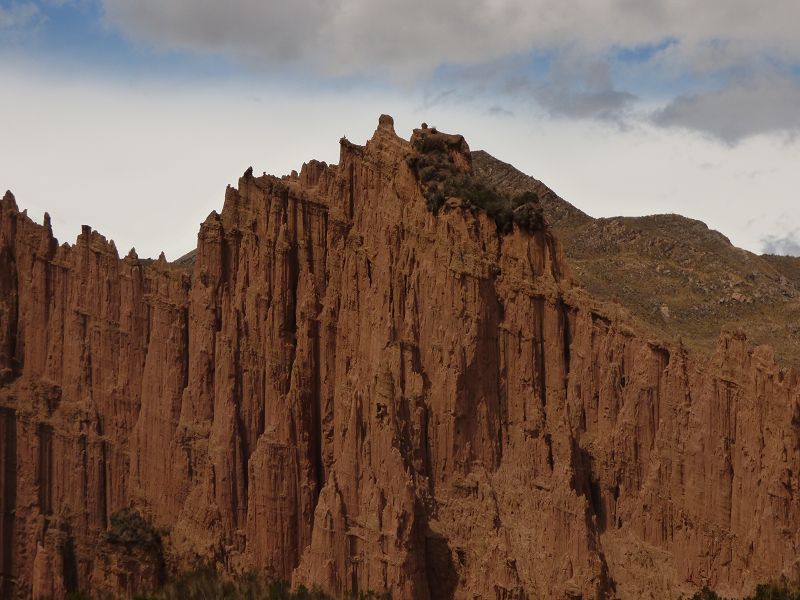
[[133, 116]]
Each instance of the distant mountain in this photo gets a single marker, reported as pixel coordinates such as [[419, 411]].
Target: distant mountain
[[675, 274]]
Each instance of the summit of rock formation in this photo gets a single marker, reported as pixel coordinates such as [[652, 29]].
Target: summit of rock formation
[[346, 387]]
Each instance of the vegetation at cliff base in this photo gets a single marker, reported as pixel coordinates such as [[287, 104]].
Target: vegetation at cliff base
[[130, 528], [205, 583], [780, 590], [441, 178]]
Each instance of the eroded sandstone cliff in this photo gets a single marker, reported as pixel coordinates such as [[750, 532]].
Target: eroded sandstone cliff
[[353, 392]]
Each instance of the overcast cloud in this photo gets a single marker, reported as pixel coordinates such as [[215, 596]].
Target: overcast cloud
[[581, 88], [785, 245], [347, 36], [741, 109], [18, 15], [724, 53]]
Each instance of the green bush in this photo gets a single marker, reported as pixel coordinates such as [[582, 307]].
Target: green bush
[[776, 591], [431, 143], [529, 217], [434, 200], [130, 528], [204, 583], [706, 594], [525, 198], [440, 179], [780, 590]]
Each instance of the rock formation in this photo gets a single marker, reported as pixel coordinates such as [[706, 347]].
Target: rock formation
[[350, 391]]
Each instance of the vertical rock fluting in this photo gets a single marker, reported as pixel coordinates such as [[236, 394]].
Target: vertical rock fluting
[[352, 392], [83, 374]]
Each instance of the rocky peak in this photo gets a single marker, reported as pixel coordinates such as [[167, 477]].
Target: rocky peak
[[385, 125], [9, 202]]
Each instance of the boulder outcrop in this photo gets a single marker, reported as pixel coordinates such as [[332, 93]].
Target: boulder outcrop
[[352, 392]]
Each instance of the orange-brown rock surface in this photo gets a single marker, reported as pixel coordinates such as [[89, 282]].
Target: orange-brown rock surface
[[353, 392]]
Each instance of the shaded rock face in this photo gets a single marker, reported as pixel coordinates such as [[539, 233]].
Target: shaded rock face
[[351, 392]]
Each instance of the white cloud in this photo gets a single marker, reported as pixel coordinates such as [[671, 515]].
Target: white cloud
[[485, 48], [18, 15], [415, 36], [267, 32], [744, 108], [786, 245], [499, 111], [581, 88]]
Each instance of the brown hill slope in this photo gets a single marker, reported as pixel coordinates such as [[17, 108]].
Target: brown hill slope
[[673, 273], [353, 391]]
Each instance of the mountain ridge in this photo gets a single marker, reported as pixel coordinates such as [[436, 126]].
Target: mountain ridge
[[679, 277]]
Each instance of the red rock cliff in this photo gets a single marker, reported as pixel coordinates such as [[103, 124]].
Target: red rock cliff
[[352, 392]]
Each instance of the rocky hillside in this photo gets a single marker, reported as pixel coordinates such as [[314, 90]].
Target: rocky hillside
[[676, 275], [351, 387]]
